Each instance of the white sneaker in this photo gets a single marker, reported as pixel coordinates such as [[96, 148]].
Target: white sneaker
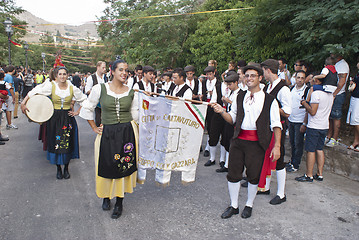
[[326, 140], [11, 126], [332, 143]]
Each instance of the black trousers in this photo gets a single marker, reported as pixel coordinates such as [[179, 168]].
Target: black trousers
[[245, 153], [216, 129], [280, 161], [208, 120]]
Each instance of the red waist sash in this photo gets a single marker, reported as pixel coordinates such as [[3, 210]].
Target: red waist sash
[[249, 135]]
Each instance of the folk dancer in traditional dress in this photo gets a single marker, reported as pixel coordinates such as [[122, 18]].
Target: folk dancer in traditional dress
[[62, 132], [116, 149], [278, 89], [255, 114], [217, 123], [146, 82], [98, 77], [232, 83], [193, 82]]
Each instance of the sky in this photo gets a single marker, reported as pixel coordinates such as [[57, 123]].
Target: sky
[[74, 12]]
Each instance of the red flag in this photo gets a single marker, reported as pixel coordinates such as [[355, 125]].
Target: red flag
[[16, 44]]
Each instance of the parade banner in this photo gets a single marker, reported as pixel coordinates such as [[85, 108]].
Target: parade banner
[[170, 137]]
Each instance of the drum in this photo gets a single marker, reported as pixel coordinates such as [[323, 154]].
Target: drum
[[40, 108]]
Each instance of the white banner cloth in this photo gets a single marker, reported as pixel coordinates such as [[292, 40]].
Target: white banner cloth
[[170, 137]]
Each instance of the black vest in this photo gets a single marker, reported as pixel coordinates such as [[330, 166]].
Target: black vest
[[331, 78], [218, 90], [142, 87], [196, 86], [275, 92], [180, 92], [95, 81], [263, 122]]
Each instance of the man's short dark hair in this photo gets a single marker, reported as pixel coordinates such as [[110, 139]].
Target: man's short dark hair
[[180, 73], [241, 63], [301, 71], [9, 68], [138, 67], [284, 61], [147, 69]]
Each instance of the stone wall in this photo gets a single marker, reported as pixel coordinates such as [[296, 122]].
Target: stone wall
[[339, 160]]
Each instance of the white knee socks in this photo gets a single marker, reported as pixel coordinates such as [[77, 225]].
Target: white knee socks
[[212, 153], [252, 193], [233, 189], [223, 154], [281, 174], [227, 158]]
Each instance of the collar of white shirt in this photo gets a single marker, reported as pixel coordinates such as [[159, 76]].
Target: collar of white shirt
[[274, 84]]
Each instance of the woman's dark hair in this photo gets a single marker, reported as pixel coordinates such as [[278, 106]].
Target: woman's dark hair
[[115, 63], [60, 68]]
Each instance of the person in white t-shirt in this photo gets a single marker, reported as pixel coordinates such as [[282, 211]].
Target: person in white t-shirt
[[317, 127], [342, 69], [296, 119]]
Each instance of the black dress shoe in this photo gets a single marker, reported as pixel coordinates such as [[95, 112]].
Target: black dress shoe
[[106, 204], [206, 153], [222, 169], [229, 212], [59, 174], [209, 163], [245, 184], [4, 138], [263, 193], [277, 200], [117, 211], [2, 143], [66, 174], [247, 212]]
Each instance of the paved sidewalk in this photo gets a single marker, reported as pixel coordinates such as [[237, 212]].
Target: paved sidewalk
[[35, 205]]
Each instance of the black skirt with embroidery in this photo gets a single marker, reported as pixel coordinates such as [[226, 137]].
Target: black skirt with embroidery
[[117, 151], [60, 132]]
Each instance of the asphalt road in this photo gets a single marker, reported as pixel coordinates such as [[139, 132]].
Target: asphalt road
[[35, 205]]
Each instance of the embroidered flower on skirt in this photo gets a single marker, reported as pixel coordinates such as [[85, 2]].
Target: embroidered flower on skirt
[[117, 156], [128, 147]]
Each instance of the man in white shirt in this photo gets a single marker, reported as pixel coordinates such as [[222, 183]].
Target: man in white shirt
[[207, 90], [138, 76], [181, 90], [256, 115], [296, 120], [278, 89], [343, 70], [193, 82], [318, 114], [98, 77], [228, 129], [145, 83]]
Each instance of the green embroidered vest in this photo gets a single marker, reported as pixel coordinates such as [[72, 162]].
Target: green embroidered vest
[[61, 103], [115, 110]]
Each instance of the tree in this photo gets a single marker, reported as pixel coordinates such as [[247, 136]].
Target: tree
[[154, 41], [9, 9]]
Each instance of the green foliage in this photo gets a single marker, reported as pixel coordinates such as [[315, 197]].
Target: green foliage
[[327, 26], [155, 41]]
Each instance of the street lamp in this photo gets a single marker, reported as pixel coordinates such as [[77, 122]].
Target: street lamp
[[9, 31], [43, 61], [26, 46]]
